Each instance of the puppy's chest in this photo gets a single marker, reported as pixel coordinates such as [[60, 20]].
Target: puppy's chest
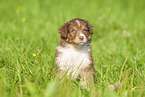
[[70, 58]]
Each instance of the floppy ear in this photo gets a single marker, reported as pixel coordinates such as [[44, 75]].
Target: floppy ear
[[90, 28], [64, 30]]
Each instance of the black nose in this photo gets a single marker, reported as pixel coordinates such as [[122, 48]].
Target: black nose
[[81, 37]]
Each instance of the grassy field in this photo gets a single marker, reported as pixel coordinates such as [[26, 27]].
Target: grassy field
[[29, 27]]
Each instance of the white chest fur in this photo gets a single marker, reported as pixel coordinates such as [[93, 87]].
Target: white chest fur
[[73, 60]]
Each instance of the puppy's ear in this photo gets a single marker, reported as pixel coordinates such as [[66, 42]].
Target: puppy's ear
[[64, 30], [90, 28]]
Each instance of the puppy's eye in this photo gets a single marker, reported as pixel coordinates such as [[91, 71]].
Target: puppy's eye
[[84, 30], [73, 31]]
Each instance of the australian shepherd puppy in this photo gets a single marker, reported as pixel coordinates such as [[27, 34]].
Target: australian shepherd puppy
[[73, 56]]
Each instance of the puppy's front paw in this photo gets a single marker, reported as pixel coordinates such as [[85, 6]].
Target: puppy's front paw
[[84, 85]]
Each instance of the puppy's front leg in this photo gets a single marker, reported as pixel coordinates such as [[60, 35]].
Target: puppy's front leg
[[86, 77]]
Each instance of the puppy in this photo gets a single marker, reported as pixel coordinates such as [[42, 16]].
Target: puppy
[[73, 56]]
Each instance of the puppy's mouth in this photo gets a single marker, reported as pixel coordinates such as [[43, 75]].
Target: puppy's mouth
[[80, 43]]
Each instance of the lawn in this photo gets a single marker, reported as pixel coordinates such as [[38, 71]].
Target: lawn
[[29, 35]]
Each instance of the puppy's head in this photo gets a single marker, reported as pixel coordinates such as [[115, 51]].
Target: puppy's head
[[76, 31]]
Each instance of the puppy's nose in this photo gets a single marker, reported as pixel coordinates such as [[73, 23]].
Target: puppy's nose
[[81, 37]]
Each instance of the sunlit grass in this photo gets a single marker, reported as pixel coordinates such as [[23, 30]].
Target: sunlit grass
[[29, 35]]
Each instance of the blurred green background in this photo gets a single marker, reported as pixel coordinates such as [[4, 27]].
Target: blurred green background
[[29, 27]]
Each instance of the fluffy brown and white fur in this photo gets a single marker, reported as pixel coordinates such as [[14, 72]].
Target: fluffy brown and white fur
[[73, 54]]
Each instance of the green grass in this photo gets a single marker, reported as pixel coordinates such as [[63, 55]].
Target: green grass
[[118, 46]]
